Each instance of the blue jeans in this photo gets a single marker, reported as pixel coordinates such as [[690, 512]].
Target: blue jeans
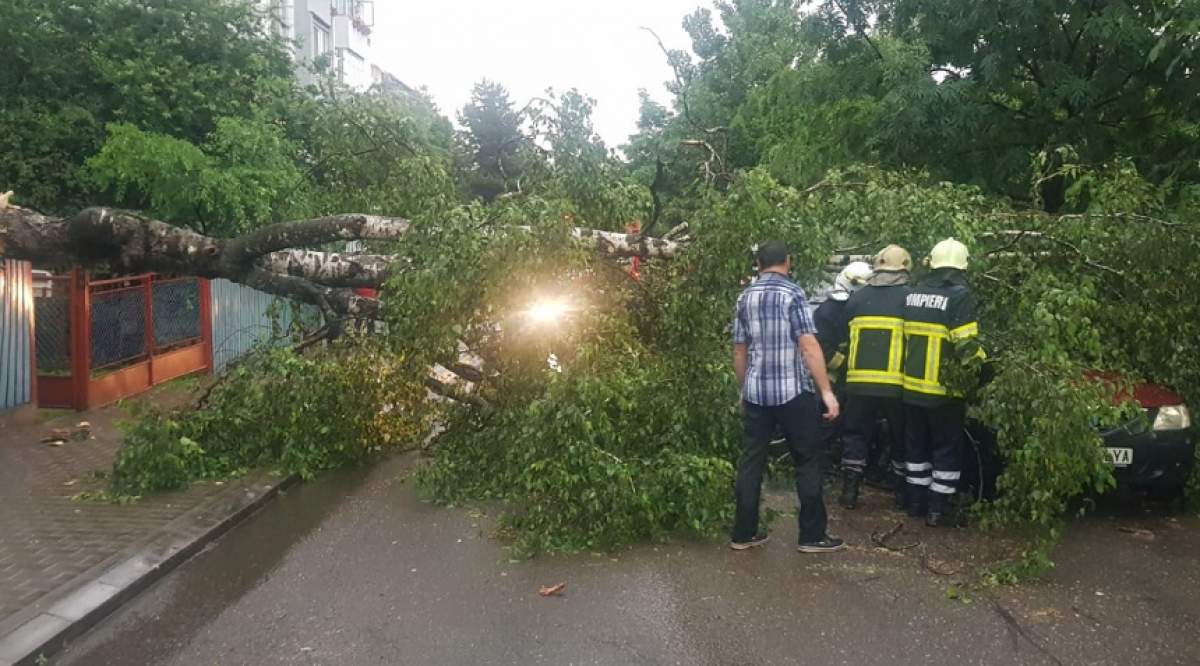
[[799, 421]]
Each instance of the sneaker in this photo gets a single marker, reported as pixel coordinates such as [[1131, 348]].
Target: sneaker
[[827, 545], [758, 540]]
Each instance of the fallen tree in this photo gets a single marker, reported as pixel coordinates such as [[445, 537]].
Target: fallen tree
[[276, 258]]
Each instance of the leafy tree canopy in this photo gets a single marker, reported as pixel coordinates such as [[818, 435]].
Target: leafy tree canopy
[[494, 140], [967, 90], [170, 67]]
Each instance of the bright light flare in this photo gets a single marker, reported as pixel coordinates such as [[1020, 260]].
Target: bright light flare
[[547, 312]]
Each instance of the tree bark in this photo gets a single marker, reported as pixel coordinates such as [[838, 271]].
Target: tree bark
[[331, 268], [271, 258]]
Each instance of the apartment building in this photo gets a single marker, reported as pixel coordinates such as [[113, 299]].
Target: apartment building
[[335, 31]]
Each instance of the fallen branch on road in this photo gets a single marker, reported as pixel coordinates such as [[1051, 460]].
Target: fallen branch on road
[[881, 540]]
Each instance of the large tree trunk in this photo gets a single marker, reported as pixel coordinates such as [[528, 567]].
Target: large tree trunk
[[273, 258]]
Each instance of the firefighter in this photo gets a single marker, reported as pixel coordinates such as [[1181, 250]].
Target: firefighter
[[874, 384], [939, 322], [830, 316], [830, 319]]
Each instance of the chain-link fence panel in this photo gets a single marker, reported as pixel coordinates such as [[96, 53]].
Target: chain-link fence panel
[[118, 326], [176, 311], [52, 327]]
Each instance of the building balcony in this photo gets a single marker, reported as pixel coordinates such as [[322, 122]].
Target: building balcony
[[361, 13]]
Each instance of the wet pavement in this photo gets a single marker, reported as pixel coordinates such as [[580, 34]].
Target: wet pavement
[[48, 539], [357, 569]]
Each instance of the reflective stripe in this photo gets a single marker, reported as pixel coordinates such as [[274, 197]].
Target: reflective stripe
[[934, 334], [896, 352], [965, 331], [919, 480], [894, 327], [872, 321], [853, 359], [930, 383], [933, 354], [947, 476], [925, 328], [918, 467], [919, 385], [939, 488], [854, 463], [873, 377]]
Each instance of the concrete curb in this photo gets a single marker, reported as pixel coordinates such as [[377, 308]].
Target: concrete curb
[[80, 604]]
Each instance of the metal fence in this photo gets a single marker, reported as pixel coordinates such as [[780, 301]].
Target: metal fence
[[129, 323], [16, 335], [52, 312], [132, 318], [176, 311], [100, 341], [243, 318], [118, 325]]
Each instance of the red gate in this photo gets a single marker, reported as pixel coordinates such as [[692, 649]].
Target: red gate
[[99, 341]]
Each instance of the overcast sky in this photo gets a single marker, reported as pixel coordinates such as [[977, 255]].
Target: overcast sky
[[529, 45]]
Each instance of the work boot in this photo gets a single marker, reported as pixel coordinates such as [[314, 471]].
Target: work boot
[[850, 484], [899, 492], [938, 503], [917, 500]]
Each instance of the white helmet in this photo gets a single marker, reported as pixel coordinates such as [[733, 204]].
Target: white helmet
[[850, 280], [948, 254]]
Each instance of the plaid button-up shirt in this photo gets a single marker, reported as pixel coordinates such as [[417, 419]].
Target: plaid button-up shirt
[[769, 319]]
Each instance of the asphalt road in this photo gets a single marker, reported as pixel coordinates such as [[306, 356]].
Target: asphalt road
[[356, 569]]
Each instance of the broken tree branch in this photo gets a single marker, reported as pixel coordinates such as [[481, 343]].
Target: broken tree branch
[[272, 258], [710, 175], [331, 268], [1018, 235], [881, 540], [306, 233], [682, 85]]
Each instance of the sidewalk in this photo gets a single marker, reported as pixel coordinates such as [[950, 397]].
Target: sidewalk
[[64, 563]]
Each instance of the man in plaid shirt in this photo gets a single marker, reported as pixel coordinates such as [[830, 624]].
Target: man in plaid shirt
[[778, 360]]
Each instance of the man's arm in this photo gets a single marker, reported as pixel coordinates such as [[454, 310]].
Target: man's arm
[[741, 341], [810, 349], [739, 362]]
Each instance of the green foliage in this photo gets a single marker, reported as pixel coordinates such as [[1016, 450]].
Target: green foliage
[[965, 90], [1047, 419], [241, 175], [579, 168], [155, 455], [188, 110], [1034, 560], [169, 67], [374, 152], [298, 414], [494, 142], [603, 452]]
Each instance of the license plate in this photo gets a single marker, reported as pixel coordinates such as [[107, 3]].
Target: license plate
[[1119, 457]]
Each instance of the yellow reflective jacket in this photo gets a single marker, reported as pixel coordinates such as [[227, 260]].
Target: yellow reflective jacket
[[875, 316], [939, 309]]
